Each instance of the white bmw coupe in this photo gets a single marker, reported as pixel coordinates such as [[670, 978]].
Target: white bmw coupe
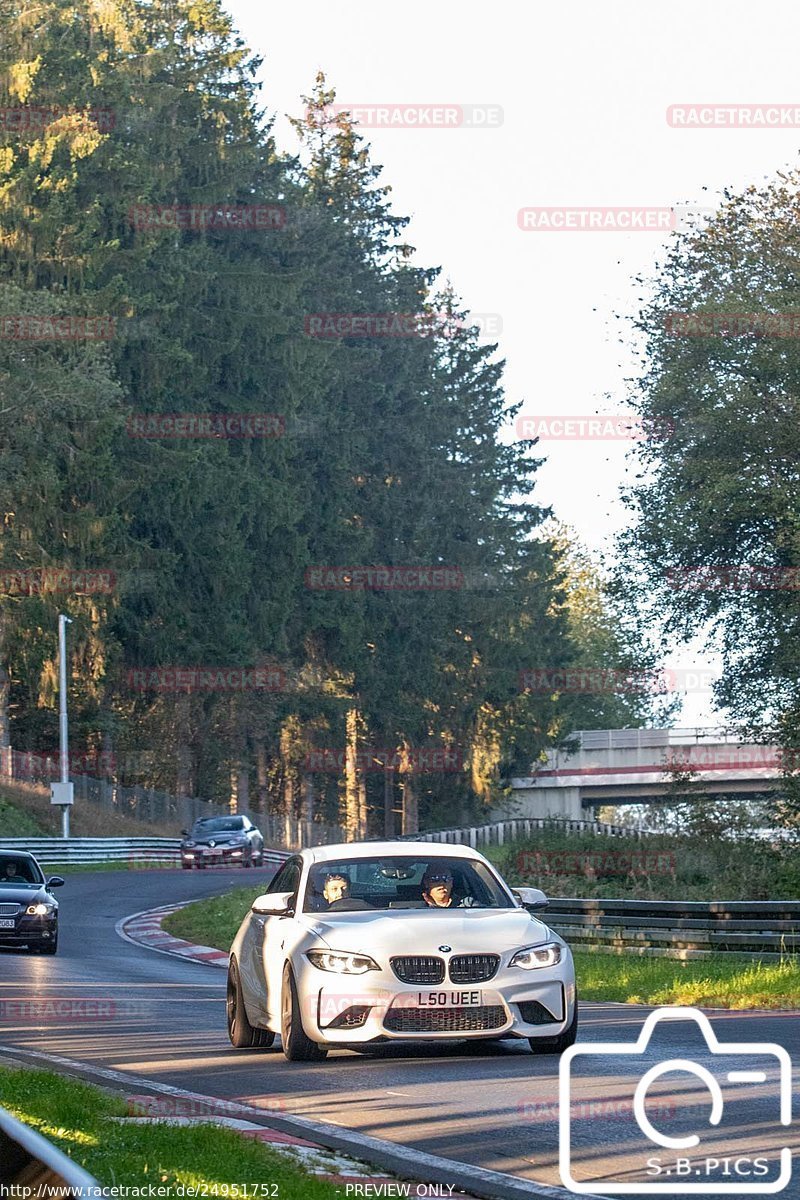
[[390, 941]]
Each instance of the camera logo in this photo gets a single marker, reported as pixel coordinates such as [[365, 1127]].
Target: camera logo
[[740, 1083]]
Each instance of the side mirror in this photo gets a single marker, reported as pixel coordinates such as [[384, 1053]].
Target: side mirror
[[55, 881], [274, 904], [184, 833], [530, 898]]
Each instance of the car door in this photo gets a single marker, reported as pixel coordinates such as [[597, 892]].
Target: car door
[[278, 935], [265, 945]]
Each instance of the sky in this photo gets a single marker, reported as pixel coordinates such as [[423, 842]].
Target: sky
[[573, 100]]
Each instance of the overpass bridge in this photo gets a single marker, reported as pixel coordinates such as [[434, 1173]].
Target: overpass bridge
[[638, 766]]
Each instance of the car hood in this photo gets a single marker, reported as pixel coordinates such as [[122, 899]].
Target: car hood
[[411, 931], [33, 893]]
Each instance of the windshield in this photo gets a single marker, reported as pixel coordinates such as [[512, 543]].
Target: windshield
[[419, 881], [217, 825], [20, 872]]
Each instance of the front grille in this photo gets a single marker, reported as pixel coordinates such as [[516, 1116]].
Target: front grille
[[445, 1020], [473, 968], [9, 910], [419, 968], [352, 1017], [534, 1013]]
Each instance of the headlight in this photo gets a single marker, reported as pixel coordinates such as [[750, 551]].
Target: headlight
[[188, 843], [537, 956], [40, 910], [340, 963]]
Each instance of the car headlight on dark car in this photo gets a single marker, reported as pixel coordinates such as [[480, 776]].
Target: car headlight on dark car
[[40, 910], [341, 963], [188, 844], [531, 957]]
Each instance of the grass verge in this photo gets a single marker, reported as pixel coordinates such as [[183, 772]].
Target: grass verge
[[213, 922], [722, 981], [79, 1120]]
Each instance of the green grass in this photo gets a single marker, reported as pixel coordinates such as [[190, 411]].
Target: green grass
[[213, 922], [720, 981], [15, 822], [79, 1120]]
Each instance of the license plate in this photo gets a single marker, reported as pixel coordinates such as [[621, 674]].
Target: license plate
[[213, 852], [7, 923], [449, 999]]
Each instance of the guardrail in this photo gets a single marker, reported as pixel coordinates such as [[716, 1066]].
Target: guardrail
[[678, 928], [500, 832], [139, 851], [29, 1164]]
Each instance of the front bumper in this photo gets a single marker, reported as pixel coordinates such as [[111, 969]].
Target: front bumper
[[30, 931], [216, 856], [515, 1003]]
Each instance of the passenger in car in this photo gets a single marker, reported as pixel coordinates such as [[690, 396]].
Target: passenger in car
[[437, 890], [337, 887]]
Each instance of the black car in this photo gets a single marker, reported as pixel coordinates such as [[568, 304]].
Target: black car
[[222, 840], [28, 912]]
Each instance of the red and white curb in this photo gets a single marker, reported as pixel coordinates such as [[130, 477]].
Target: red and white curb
[[144, 929]]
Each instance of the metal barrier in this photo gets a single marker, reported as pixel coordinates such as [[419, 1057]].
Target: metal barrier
[[500, 832], [138, 851], [678, 928], [29, 1162]]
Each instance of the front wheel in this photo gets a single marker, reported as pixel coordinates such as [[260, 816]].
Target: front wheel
[[48, 947], [241, 1033], [297, 1046], [558, 1044]]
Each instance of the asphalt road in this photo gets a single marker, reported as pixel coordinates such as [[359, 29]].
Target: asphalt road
[[493, 1105]]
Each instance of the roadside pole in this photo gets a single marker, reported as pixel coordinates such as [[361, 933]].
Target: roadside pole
[[62, 793]]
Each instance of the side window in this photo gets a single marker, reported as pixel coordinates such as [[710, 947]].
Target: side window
[[288, 877]]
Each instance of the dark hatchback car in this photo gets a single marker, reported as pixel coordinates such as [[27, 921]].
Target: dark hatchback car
[[28, 912], [219, 841]]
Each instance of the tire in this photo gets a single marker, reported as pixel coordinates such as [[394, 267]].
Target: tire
[[247, 862], [241, 1033], [48, 947], [558, 1044], [186, 866], [297, 1046], [200, 864]]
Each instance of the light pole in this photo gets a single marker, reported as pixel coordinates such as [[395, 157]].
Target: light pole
[[61, 793]]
